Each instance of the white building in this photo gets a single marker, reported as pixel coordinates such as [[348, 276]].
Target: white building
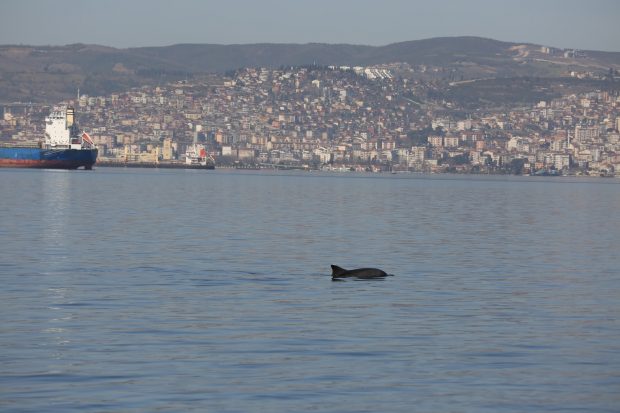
[[561, 161], [586, 133]]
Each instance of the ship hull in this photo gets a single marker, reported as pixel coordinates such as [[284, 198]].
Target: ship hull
[[48, 158]]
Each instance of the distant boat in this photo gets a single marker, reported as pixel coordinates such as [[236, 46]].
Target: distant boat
[[197, 155], [64, 146]]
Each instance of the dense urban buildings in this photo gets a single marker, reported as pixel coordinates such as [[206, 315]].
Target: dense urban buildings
[[341, 118]]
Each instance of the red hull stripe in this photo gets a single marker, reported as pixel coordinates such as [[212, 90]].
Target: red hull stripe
[[31, 163]]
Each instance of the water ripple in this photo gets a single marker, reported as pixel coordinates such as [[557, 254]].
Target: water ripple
[[212, 292]]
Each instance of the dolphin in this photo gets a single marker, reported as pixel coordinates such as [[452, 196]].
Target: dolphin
[[362, 273]]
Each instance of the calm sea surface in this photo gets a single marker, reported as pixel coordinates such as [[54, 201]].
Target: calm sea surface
[[209, 291]]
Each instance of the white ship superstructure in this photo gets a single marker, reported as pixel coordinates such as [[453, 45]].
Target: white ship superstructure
[[61, 130], [197, 155]]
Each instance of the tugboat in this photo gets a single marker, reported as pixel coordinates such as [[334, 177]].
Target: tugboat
[[64, 147]]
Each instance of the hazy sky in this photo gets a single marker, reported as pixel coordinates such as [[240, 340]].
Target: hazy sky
[[591, 24]]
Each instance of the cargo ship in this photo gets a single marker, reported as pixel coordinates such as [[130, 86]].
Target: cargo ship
[[63, 147]]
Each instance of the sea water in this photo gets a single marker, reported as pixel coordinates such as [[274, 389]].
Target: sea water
[[136, 290]]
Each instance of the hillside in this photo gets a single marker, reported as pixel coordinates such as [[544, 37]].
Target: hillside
[[52, 73]]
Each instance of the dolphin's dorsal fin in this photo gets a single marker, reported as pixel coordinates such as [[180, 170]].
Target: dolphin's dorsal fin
[[336, 271]]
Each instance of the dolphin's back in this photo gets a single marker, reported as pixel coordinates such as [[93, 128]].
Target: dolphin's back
[[338, 272]]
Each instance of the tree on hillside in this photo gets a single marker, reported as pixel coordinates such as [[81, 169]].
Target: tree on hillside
[[516, 166], [420, 137]]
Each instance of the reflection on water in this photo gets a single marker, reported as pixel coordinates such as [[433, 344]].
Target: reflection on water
[[56, 216], [189, 291]]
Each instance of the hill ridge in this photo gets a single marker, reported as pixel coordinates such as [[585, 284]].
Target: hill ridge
[[51, 73]]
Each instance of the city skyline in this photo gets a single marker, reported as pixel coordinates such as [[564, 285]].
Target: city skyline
[[338, 119], [563, 24]]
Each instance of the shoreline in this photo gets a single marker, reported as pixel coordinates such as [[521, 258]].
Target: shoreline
[[107, 164], [153, 165]]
